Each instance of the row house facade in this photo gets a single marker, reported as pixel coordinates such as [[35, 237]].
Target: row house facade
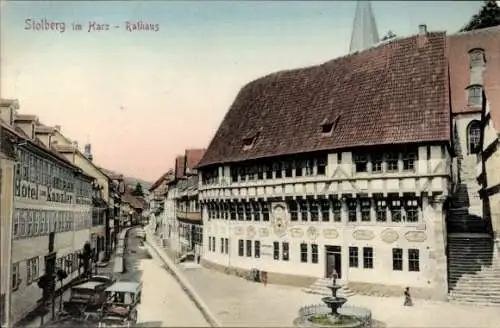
[[51, 215], [181, 227], [341, 166]]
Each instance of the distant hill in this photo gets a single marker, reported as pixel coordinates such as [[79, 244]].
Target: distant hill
[[130, 180]]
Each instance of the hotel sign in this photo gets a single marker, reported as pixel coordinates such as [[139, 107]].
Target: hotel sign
[[35, 191]]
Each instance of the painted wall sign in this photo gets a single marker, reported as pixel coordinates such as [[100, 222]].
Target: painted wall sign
[[58, 196], [330, 233], [389, 236], [297, 232], [27, 190], [415, 236], [363, 234]]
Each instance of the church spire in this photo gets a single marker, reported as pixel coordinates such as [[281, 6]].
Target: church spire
[[364, 30]]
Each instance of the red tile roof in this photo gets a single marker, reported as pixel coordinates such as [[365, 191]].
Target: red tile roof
[[193, 157], [395, 93], [459, 46]]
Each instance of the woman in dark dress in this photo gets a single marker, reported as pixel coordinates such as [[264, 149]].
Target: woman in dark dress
[[408, 301]]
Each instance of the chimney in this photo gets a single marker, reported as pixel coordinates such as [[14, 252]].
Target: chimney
[[422, 29], [88, 152], [58, 128]]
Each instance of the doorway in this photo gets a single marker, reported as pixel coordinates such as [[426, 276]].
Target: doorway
[[333, 261]]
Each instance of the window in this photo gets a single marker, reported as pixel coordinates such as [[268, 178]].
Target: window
[[257, 248], [260, 172], [397, 259], [232, 208], [367, 257], [240, 247], [226, 245], [32, 270], [234, 174], [17, 218], [353, 257], [377, 163], [16, 279], [321, 165], [292, 208], [241, 174], [411, 210], [352, 206], [265, 211], [476, 58], [413, 260], [222, 245], [392, 162], [473, 136], [409, 161], [299, 165], [248, 211], [252, 173], [327, 128], [303, 253], [381, 210], [396, 210], [249, 248], [30, 223], [268, 170], [277, 168], [475, 95], [240, 211], [314, 210], [276, 250], [337, 211], [325, 210], [286, 251], [360, 163], [256, 211], [314, 253], [309, 167], [288, 169], [366, 210], [303, 211]]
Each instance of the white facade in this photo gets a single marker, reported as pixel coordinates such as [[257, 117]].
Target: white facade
[[48, 199], [316, 246]]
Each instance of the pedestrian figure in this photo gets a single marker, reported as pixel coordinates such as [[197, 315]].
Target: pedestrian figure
[[408, 301]]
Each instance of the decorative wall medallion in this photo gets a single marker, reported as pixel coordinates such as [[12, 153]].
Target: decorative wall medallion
[[264, 232], [238, 231], [363, 234], [280, 222], [297, 232], [330, 233], [312, 233], [389, 236], [415, 236], [251, 232]]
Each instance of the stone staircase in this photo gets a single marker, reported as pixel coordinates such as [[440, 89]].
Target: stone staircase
[[319, 288], [473, 270]]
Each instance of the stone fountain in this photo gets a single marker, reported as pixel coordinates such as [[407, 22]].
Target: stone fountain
[[332, 313]]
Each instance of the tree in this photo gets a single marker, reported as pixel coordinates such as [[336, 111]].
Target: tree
[[138, 190], [488, 16]]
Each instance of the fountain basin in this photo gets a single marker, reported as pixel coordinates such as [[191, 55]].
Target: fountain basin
[[341, 321]]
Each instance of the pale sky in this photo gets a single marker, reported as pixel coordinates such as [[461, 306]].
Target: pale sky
[[142, 97]]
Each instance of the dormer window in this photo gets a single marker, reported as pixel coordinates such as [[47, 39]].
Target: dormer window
[[326, 128], [249, 141], [476, 58], [474, 94], [328, 125]]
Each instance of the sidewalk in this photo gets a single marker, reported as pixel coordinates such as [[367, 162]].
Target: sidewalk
[[36, 321], [238, 302]]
